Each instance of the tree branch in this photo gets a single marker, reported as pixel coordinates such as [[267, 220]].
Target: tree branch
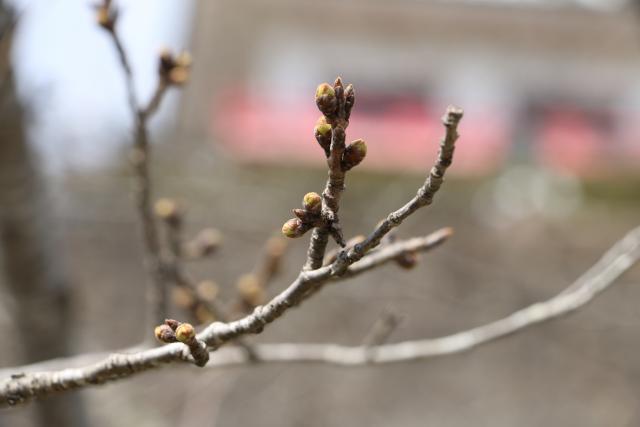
[[23, 385], [424, 196], [174, 269], [320, 213], [218, 333], [157, 286], [20, 388], [335, 102], [172, 71]]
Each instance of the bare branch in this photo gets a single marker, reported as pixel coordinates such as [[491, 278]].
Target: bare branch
[[156, 99], [391, 251], [319, 213], [172, 71], [157, 289], [218, 333], [22, 385], [388, 253], [424, 197]]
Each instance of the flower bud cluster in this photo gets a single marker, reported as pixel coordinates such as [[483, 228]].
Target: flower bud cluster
[[306, 218], [335, 102]]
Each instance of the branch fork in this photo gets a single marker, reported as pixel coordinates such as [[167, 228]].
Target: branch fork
[[335, 102]]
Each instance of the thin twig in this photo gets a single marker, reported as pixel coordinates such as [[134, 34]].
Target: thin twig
[[218, 333], [252, 286], [157, 288], [391, 251], [156, 99], [23, 385], [116, 366], [271, 261], [174, 267], [424, 196], [388, 253]]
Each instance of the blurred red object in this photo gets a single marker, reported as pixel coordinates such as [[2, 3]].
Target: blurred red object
[[402, 133], [588, 143]]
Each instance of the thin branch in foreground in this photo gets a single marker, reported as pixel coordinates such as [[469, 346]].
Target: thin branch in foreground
[[218, 333], [389, 252], [24, 383], [116, 366], [424, 196]]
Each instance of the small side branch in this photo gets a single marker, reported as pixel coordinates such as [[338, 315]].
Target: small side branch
[[157, 289], [200, 307], [424, 196], [172, 71], [218, 333]]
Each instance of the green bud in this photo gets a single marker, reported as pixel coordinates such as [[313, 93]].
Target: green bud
[[323, 127], [294, 228], [165, 334], [326, 99], [325, 89], [354, 154], [312, 202], [322, 132], [185, 333]]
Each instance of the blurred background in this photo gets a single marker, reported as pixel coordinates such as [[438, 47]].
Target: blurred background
[[545, 179]]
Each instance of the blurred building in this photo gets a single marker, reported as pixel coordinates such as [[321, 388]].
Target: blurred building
[[554, 82]]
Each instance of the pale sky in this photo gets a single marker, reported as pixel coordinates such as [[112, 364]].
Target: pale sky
[[68, 73]]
